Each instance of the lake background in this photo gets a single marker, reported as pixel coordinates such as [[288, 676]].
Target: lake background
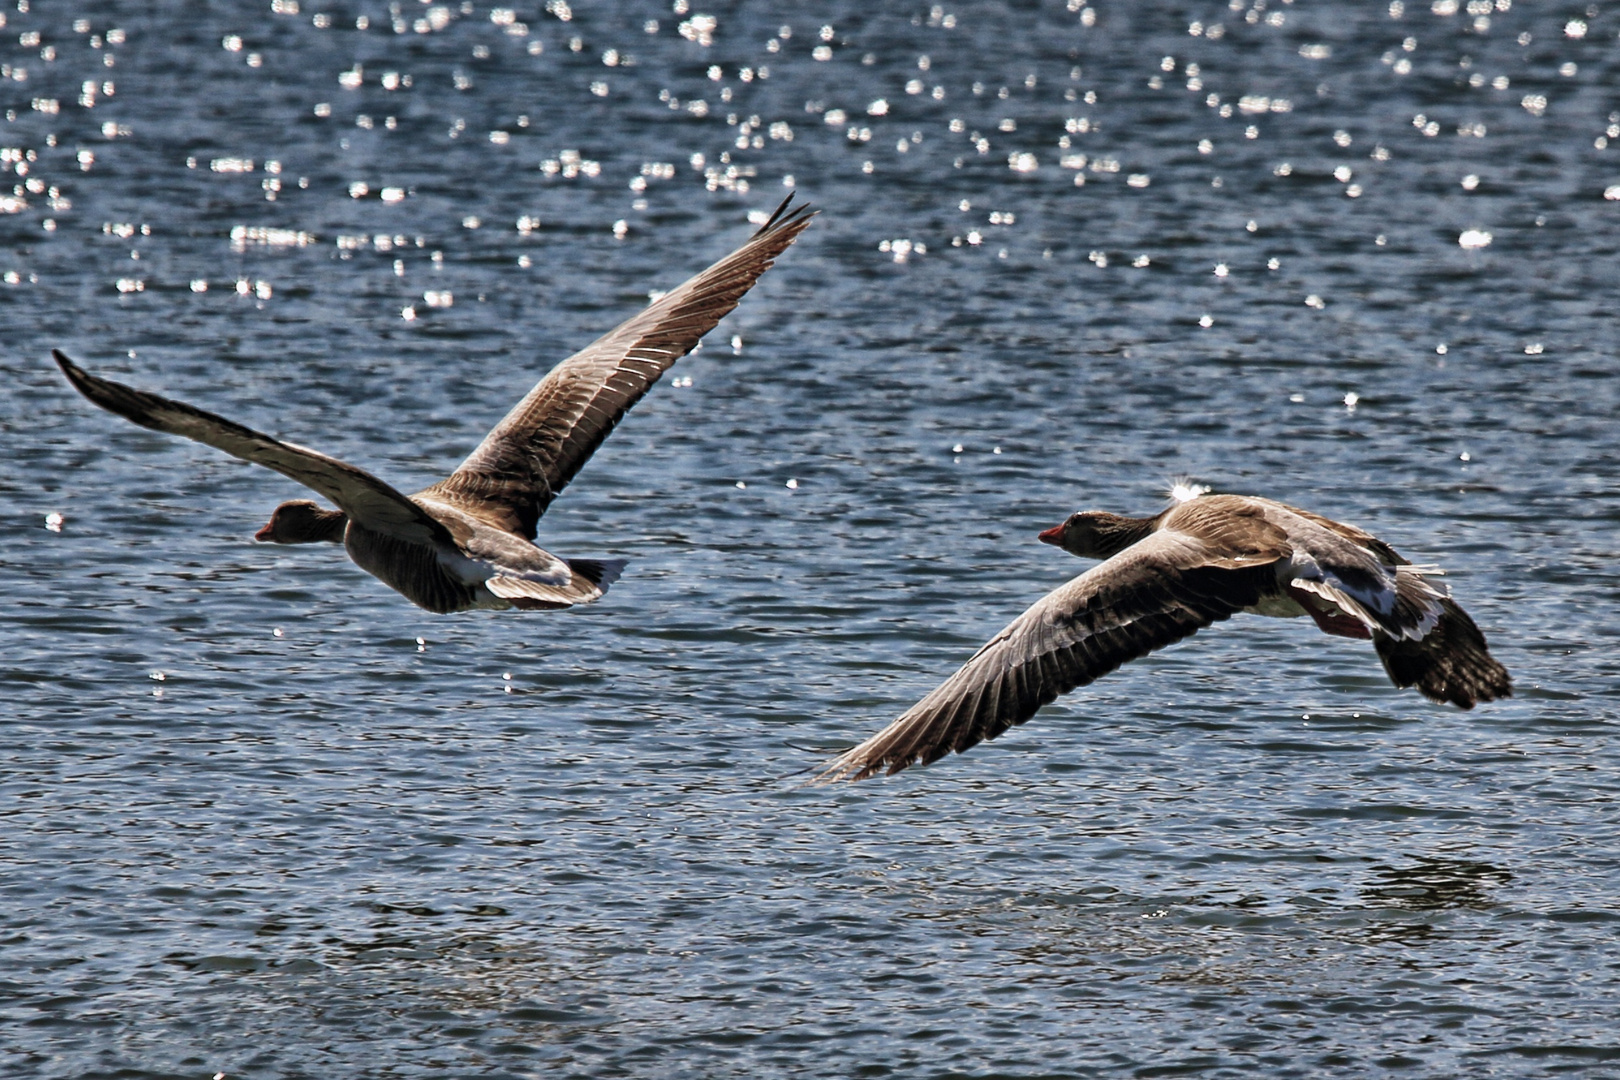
[[263, 817]]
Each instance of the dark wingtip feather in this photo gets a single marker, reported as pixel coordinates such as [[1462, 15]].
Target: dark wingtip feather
[[133, 405], [783, 218], [75, 374]]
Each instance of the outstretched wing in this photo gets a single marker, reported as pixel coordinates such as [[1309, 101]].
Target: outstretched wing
[[535, 451], [362, 496], [1154, 593]]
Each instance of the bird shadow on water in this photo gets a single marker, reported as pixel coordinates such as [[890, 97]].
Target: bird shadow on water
[[1425, 887], [1431, 884]]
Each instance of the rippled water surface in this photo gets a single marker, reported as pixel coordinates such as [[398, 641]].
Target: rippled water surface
[[262, 817]]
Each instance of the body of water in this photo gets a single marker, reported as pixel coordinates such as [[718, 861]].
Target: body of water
[[262, 817]]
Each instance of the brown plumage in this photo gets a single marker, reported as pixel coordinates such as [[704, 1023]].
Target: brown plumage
[[1165, 578], [467, 541]]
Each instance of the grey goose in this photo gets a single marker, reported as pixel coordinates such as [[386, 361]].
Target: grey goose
[[467, 541], [1166, 577]]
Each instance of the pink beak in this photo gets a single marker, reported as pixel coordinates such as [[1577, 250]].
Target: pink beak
[[1054, 535]]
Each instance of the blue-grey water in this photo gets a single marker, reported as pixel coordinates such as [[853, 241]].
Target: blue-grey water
[[261, 817]]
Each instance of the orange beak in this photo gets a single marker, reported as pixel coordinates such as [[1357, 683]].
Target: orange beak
[[266, 534], [1054, 535]]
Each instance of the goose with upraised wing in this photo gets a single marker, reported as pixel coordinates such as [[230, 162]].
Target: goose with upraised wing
[[468, 540]]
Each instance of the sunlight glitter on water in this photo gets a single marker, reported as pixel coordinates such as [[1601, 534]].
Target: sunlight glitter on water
[[621, 789], [1185, 489]]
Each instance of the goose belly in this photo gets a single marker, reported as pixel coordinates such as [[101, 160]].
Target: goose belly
[[419, 573]]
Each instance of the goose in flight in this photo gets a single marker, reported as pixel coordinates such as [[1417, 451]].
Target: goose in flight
[[467, 541], [1166, 577]]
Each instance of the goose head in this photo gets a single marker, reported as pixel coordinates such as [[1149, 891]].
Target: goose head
[[300, 521], [1095, 534]]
